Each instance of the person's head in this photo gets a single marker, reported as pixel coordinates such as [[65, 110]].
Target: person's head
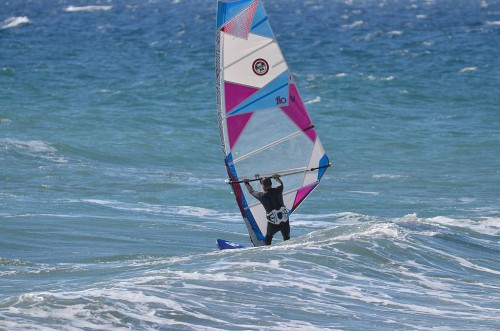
[[266, 183]]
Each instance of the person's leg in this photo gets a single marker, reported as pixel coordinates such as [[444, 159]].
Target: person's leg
[[285, 230], [271, 231]]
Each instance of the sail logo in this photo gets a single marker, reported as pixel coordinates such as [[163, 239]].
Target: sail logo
[[260, 67], [283, 100]]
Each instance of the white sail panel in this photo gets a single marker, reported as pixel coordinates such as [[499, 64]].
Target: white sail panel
[[239, 56]]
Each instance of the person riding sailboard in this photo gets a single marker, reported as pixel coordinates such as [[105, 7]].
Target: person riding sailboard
[[272, 200]]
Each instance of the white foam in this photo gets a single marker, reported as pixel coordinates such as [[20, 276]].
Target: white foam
[[194, 296], [204, 213], [353, 25], [486, 225], [492, 23], [311, 78], [395, 33], [338, 218], [463, 262], [365, 192], [73, 9], [144, 208], [36, 146], [310, 223], [12, 22], [467, 200], [377, 230], [388, 176], [468, 69], [194, 211], [33, 148], [189, 211], [315, 100]]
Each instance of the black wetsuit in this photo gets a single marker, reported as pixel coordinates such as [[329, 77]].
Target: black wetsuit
[[277, 215]]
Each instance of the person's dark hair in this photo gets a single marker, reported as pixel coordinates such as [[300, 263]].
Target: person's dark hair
[[266, 182]]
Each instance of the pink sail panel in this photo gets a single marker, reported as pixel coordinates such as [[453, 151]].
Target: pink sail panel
[[302, 193], [298, 114], [236, 94], [235, 126]]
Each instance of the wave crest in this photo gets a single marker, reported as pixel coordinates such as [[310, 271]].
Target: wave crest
[[72, 9], [15, 21]]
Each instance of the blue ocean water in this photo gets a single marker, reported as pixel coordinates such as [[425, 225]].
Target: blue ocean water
[[112, 185]]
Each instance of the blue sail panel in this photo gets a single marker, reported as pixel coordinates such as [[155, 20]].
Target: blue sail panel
[[323, 165], [260, 24]]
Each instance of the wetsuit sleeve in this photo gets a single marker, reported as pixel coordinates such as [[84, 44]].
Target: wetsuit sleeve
[[280, 186], [256, 194]]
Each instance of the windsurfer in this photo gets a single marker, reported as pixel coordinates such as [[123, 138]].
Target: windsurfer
[[272, 200]]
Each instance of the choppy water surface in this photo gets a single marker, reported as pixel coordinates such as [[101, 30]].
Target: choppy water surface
[[112, 185]]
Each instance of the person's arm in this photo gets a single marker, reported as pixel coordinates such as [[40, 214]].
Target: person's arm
[[278, 179], [250, 189]]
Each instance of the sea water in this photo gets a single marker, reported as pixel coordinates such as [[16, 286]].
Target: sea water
[[112, 188]]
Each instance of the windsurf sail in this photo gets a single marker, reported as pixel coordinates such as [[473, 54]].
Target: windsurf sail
[[264, 126]]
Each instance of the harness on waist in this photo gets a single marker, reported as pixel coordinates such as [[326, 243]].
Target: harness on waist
[[277, 216]]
